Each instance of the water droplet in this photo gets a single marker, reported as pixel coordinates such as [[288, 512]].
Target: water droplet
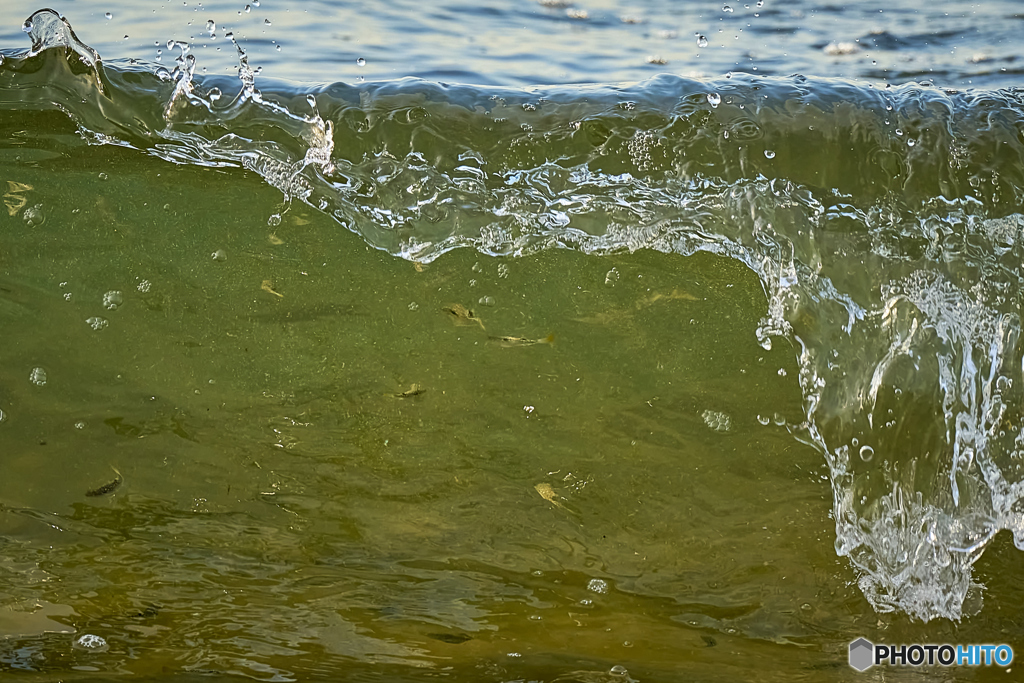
[[866, 453], [714, 99], [726, 8], [211, 26], [248, 9], [97, 323], [702, 40], [769, 154], [311, 101], [214, 94], [267, 22], [597, 586], [219, 255], [760, 3], [27, 26], [278, 48], [108, 15], [37, 377], [360, 62]]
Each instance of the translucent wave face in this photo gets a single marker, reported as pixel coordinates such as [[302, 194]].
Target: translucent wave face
[[883, 230]]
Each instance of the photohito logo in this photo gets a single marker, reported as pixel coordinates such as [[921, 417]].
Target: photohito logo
[[864, 654]]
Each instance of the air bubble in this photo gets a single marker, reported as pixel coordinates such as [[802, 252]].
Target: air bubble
[[91, 642], [702, 40], [274, 220], [611, 277], [37, 377], [33, 215], [769, 154], [763, 420], [486, 301], [718, 421], [112, 299], [97, 323], [714, 99], [597, 586], [219, 255], [360, 62], [866, 453]]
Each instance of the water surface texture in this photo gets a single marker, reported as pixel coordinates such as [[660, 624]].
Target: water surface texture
[[510, 341]]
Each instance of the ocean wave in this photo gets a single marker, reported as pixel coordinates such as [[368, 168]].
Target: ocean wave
[[883, 224]]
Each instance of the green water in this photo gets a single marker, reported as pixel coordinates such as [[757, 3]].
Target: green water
[[676, 380], [283, 514]]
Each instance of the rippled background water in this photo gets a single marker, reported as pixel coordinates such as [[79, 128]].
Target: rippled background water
[[614, 467], [533, 43]]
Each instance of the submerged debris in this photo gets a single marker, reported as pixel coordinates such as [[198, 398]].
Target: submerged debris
[[414, 390], [109, 487], [268, 286], [462, 315], [510, 342]]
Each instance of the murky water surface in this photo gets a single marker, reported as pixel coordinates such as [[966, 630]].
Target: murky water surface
[[671, 366]]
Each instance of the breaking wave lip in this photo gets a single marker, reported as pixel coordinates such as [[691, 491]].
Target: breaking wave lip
[[882, 222]]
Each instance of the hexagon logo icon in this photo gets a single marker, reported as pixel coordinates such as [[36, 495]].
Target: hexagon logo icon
[[861, 654]]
